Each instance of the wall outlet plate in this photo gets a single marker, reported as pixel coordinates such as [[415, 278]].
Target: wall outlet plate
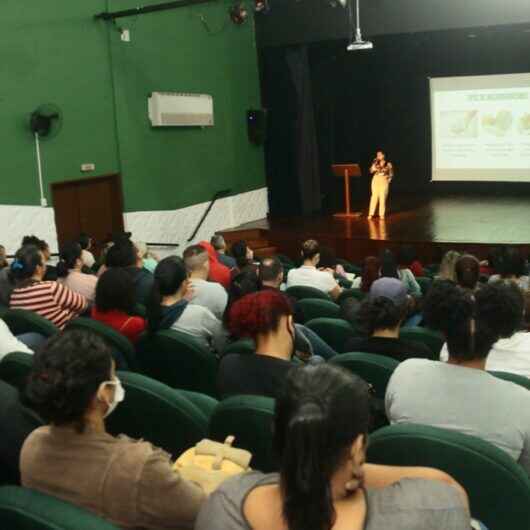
[[125, 35], [88, 167]]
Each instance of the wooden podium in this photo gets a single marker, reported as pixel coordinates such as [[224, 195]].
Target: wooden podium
[[346, 171]]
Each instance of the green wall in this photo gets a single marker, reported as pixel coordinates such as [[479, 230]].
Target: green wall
[[55, 52]]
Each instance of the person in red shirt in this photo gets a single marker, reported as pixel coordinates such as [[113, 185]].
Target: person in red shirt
[[218, 272], [115, 299], [408, 260]]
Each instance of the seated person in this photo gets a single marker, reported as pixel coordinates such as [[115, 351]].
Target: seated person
[[408, 259], [125, 255], [502, 307], [69, 272], [460, 395], [371, 272], [437, 306], [218, 272], [50, 300], [328, 261], [3, 257], [73, 386], [169, 307], [219, 244], [321, 425], [51, 270], [390, 269], [9, 343], [211, 295], [380, 318], [447, 266], [86, 255], [511, 267], [266, 317], [244, 257], [149, 259], [467, 271], [309, 276], [115, 304]]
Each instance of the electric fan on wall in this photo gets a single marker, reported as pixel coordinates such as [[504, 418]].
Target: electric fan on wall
[[45, 123]]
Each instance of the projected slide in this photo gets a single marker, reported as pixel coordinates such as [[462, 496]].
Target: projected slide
[[481, 128]]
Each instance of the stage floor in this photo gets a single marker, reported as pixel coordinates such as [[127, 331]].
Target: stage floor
[[463, 222]]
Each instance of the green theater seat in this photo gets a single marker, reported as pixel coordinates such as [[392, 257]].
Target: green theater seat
[[432, 339], [299, 292], [513, 378], [334, 331], [310, 308], [15, 368], [22, 321]]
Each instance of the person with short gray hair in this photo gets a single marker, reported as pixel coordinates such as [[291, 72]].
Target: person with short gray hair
[[219, 244]]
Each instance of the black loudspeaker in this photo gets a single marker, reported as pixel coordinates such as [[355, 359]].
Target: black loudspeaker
[[257, 125]]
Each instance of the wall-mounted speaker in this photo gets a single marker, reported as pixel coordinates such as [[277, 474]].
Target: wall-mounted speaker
[[257, 125]]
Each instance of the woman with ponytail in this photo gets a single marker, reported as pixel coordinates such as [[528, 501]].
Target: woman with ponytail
[[460, 394], [169, 307], [69, 272], [320, 432], [380, 318]]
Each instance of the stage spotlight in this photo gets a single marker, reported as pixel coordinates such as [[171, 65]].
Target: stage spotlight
[[238, 13], [358, 43]]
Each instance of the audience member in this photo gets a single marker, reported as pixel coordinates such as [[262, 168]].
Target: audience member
[[371, 272], [244, 257], [86, 255], [3, 257], [328, 261], [460, 394], [438, 305], [267, 318], [169, 307], [320, 431], [309, 276], [149, 259], [125, 255], [447, 266], [115, 303], [390, 269], [9, 343], [380, 318], [218, 272], [219, 244], [51, 270], [51, 300], [74, 387], [6, 286], [69, 272], [204, 293], [271, 274], [408, 259], [512, 268], [467, 271]]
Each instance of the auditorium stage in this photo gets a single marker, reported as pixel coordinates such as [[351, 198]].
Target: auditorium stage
[[462, 222]]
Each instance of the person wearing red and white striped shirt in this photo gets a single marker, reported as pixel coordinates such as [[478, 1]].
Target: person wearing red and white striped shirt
[[51, 300]]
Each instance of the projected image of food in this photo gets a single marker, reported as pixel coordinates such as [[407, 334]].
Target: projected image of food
[[524, 124], [459, 124], [498, 124]]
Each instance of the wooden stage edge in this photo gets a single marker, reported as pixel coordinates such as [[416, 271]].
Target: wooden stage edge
[[466, 223]]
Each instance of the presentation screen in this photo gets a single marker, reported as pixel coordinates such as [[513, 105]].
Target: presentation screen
[[480, 128]]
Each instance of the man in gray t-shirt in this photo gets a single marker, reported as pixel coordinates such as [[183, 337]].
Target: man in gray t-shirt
[[468, 400]]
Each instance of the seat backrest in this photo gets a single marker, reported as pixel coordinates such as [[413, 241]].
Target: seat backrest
[[514, 378], [22, 321], [15, 368], [374, 369], [432, 339], [241, 346], [249, 419], [350, 267], [299, 292], [334, 331], [310, 308], [25, 509], [122, 348], [498, 488], [157, 413], [179, 361]]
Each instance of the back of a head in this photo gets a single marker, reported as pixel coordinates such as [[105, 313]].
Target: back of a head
[[371, 272], [33, 240], [115, 291], [65, 376], [69, 254], [270, 269], [328, 259], [141, 248], [447, 266], [122, 254], [467, 270], [379, 313], [195, 257], [389, 268], [512, 263], [501, 307], [239, 252], [310, 249], [258, 313], [84, 240], [26, 261], [319, 414], [406, 255], [218, 242], [438, 304]]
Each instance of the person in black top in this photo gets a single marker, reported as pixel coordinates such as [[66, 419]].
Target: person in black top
[[380, 318], [266, 317]]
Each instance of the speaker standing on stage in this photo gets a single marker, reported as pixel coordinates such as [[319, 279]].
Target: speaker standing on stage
[[383, 172]]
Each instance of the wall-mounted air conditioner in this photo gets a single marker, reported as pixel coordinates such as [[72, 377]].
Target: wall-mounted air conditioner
[[174, 109]]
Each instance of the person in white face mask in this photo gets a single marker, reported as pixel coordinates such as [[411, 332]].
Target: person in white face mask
[[74, 387]]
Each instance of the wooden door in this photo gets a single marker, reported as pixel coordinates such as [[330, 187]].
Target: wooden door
[[93, 206]]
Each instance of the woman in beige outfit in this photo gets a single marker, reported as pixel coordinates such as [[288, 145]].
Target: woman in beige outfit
[[383, 172]]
